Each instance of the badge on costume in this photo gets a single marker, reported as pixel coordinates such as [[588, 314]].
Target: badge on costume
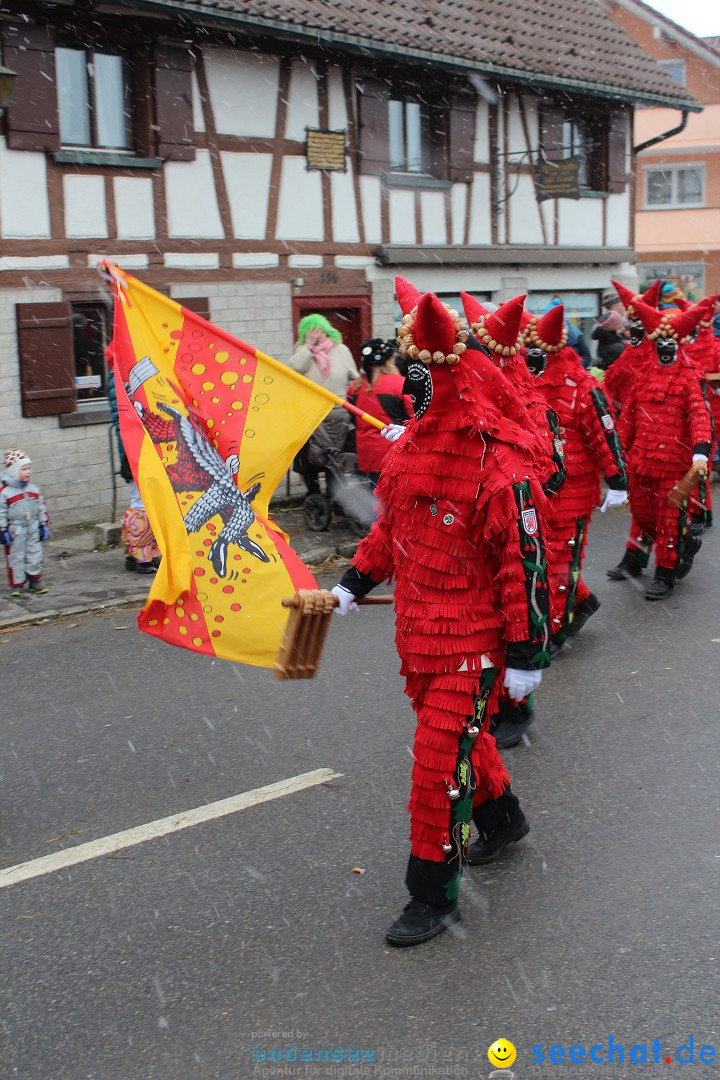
[[529, 520], [608, 421]]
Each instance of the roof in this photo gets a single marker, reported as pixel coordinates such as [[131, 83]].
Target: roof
[[540, 43]]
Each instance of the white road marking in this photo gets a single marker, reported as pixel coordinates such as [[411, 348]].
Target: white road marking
[[106, 845]]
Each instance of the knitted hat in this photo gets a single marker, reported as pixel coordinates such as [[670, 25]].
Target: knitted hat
[[669, 295], [15, 460], [548, 332], [310, 321], [498, 330]]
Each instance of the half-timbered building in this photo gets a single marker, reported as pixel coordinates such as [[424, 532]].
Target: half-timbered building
[[259, 161]]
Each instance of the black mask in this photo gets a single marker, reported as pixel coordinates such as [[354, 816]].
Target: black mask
[[666, 348], [418, 384], [536, 360], [637, 332]]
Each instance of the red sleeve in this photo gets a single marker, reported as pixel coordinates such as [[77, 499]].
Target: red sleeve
[[374, 555], [701, 434], [598, 422], [513, 534]]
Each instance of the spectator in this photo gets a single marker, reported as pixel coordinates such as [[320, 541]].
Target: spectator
[[23, 524], [379, 392], [575, 338], [611, 337]]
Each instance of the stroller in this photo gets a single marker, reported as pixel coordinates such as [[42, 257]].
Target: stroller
[[331, 449]]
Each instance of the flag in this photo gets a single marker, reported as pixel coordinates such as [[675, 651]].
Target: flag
[[210, 425]]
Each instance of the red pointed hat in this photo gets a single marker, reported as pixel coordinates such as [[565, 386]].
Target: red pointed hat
[[682, 304], [548, 332], [407, 295], [474, 310], [708, 304], [499, 330], [433, 333], [650, 317], [626, 295], [683, 323], [651, 295]]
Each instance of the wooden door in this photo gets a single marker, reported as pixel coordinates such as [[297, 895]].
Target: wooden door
[[351, 315]]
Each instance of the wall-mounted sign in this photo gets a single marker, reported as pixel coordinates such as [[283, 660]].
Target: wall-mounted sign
[[88, 382], [557, 179], [325, 150]]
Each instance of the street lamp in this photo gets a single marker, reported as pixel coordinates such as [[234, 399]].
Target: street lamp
[[7, 81]]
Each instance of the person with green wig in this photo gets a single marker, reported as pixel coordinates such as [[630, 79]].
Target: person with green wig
[[321, 357]]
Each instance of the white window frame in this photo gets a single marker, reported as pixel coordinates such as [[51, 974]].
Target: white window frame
[[673, 170], [103, 98], [408, 136]]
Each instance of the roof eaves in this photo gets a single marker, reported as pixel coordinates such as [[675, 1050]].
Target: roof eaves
[[460, 65], [677, 33]]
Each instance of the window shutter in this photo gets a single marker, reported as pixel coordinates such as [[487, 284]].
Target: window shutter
[[47, 363], [175, 135], [616, 152], [32, 118], [462, 139], [374, 148], [200, 305], [551, 132]]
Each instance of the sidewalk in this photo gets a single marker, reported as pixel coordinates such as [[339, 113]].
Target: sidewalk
[[82, 578]]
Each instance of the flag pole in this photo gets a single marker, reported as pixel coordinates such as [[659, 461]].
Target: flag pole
[[118, 277]]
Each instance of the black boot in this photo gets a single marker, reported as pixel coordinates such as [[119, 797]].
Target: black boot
[[500, 822], [421, 922], [659, 589], [510, 722], [433, 887], [631, 565], [685, 565], [582, 613]]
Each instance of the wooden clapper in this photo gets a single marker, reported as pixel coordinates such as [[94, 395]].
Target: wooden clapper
[[310, 613]]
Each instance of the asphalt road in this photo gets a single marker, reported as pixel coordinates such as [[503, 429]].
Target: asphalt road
[[191, 955]]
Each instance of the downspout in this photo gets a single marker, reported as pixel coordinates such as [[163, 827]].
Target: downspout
[[666, 135]]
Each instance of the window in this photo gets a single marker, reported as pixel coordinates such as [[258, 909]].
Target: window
[[408, 128], [90, 336], [674, 68], [598, 140], [93, 99], [674, 187]]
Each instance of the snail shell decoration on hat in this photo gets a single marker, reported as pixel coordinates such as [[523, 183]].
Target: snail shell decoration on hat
[[408, 349]]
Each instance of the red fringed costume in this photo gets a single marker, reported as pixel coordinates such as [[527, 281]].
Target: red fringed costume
[[629, 364], [592, 447], [665, 421], [704, 352], [460, 533]]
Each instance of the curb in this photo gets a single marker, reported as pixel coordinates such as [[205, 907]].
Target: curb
[[16, 621]]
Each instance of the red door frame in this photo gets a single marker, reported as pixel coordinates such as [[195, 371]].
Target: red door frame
[[328, 302]]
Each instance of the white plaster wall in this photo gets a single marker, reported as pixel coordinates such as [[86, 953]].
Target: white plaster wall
[[303, 108], [580, 222], [243, 90], [370, 199], [618, 220], [402, 217], [198, 117], [481, 152], [85, 210], [191, 200], [344, 211], [134, 211], [458, 205], [432, 217], [300, 209], [337, 112], [516, 135], [247, 180], [525, 225], [480, 209], [547, 209], [24, 206]]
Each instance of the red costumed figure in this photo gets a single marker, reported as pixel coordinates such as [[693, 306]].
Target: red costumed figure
[[459, 531], [702, 348], [666, 429], [619, 376], [592, 447], [513, 718]]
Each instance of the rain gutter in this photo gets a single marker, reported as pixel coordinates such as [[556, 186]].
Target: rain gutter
[[666, 135], [456, 64]]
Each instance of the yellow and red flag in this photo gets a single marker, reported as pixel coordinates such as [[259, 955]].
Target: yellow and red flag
[[210, 425]]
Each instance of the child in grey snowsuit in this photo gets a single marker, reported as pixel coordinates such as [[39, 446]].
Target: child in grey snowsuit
[[23, 524]]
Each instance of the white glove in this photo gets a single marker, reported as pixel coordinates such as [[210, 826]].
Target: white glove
[[392, 432], [346, 600], [521, 683], [613, 499], [699, 457]]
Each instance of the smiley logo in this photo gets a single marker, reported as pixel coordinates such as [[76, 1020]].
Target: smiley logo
[[502, 1053]]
